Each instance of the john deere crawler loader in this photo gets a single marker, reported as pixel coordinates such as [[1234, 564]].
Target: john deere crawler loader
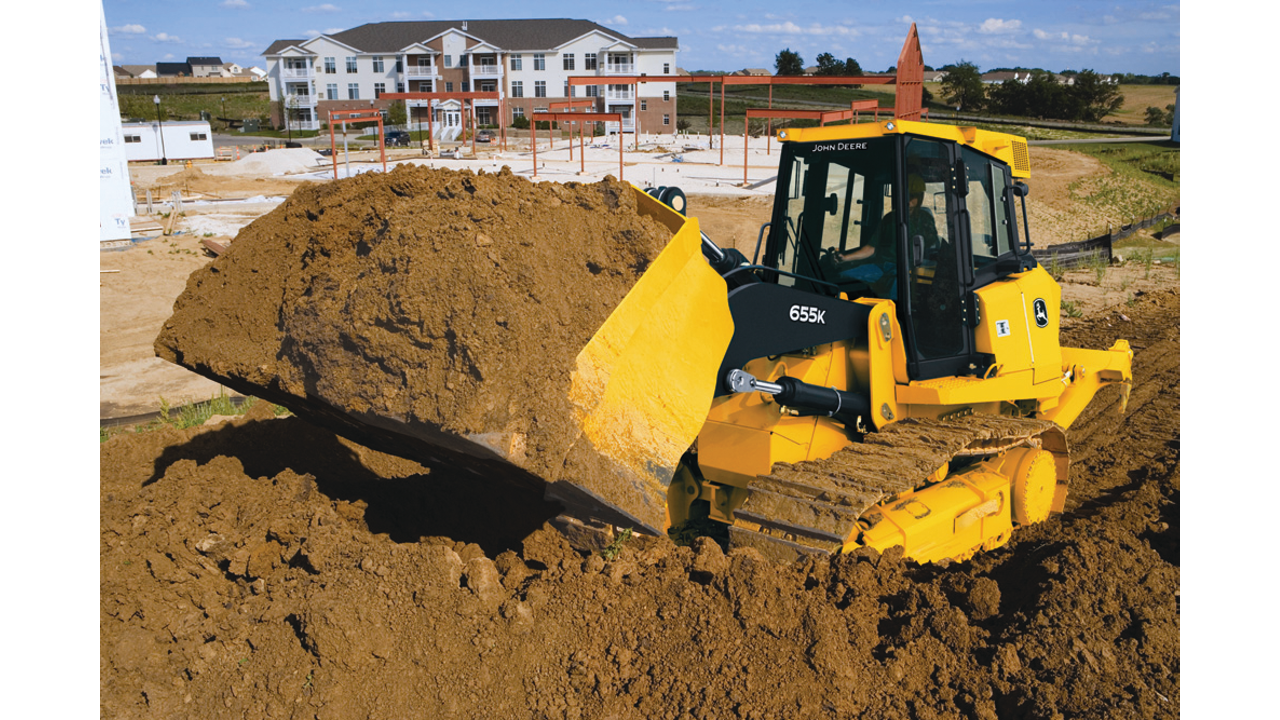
[[885, 371]]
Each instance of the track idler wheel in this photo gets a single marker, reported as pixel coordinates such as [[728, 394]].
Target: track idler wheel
[[1033, 482]]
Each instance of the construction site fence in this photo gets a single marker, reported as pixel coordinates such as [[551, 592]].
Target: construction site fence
[[1077, 254], [183, 80]]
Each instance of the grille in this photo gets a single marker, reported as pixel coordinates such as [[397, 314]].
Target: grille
[[1021, 158]]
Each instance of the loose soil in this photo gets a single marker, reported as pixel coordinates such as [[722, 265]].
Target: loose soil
[[428, 301], [265, 567]]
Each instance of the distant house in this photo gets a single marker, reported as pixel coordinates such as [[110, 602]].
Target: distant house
[[173, 69], [754, 72], [140, 71], [995, 78], [205, 66], [935, 75]]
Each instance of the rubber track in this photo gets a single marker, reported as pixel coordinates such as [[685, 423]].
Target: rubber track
[[812, 507]]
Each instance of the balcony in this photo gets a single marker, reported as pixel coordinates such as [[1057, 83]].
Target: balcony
[[293, 73], [620, 68], [486, 71], [628, 125], [311, 124], [299, 100], [421, 72], [625, 94]]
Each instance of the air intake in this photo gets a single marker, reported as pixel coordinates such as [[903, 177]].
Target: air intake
[[1021, 158]]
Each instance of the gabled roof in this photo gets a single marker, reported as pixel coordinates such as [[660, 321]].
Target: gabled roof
[[507, 35], [280, 46], [205, 61]]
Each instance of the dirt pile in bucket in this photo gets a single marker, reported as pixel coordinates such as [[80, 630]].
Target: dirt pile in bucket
[[452, 303]]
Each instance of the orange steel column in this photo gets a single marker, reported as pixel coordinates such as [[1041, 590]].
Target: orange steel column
[[721, 121]]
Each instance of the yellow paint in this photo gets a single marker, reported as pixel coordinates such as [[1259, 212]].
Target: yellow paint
[[644, 383]]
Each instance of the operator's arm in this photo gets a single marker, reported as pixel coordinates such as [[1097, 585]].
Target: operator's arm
[[861, 253]]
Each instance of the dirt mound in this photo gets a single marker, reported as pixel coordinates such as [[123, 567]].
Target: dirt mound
[[195, 181], [431, 302], [266, 568]]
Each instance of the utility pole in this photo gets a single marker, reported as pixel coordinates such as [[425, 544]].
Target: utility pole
[[164, 159]]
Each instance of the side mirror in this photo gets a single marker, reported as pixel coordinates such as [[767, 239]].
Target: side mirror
[[832, 204], [1020, 189]]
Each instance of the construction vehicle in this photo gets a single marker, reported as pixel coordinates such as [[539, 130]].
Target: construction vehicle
[[916, 395], [885, 370]]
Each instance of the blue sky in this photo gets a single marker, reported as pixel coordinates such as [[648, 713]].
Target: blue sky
[[1109, 37]]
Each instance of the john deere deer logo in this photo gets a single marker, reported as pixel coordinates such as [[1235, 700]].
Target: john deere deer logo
[[1041, 311]]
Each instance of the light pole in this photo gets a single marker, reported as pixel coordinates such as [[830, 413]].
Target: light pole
[[164, 160]]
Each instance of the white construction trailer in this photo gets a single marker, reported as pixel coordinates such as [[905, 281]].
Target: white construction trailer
[[181, 140]]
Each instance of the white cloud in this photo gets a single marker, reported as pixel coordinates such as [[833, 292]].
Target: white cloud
[[615, 20], [237, 4], [166, 38], [736, 50], [671, 8], [132, 29], [790, 28], [238, 44], [403, 15], [996, 25], [325, 8]]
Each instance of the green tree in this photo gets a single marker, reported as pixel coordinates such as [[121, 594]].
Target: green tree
[[1096, 96], [397, 114], [789, 63], [828, 65], [962, 88]]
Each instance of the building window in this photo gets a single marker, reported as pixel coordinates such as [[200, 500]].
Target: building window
[[589, 61], [517, 88], [353, 91], [399, 87], [517, 112], [568, 61], [331, 91], [487, 86], [351, 64], [378, 89], [484, 116], [666, 96], [644, 104], [448, 87], [666, 119], [466, 86], [462, 60], [133, 138], [516, 61], [377, 64], [593, 91], [199, 136], [570, 90], [666, 68], [399, 66], [330, 66], [539, 88], [539, 61], [448, 61]]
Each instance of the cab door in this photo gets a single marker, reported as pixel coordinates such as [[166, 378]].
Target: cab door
[[932, 231]]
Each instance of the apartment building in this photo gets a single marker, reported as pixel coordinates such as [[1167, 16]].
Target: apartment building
[[527, 62]]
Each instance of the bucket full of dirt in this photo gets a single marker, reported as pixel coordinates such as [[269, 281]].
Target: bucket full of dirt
[[546, 333]]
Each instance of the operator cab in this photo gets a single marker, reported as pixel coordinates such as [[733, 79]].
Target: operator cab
[[918, 220]]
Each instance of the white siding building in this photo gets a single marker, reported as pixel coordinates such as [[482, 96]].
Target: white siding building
[[182, 140], [528, 62]]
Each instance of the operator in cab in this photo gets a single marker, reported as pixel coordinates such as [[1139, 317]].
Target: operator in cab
[[875, 262]]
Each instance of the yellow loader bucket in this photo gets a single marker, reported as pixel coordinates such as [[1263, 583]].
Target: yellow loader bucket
[[643, 385]]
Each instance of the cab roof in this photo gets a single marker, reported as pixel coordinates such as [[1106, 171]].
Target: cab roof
[[1009, 149]]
